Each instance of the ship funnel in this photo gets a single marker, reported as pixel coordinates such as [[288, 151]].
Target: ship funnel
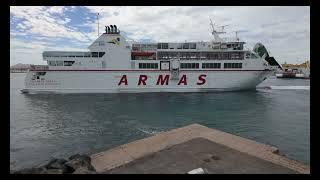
[[111, 28], [115, 28], [108, 29]]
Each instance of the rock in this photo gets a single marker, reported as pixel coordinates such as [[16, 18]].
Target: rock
[[84, 170], [53, 171], [59, 164], [56, 164], [39, 170], [74, 156], [77, 161], [81, 157], [77, 164]]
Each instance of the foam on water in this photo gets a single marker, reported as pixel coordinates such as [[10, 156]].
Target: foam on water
[[286, 87], [151, 132]]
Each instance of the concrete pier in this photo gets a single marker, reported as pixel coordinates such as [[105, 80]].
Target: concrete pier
[[195, 146]]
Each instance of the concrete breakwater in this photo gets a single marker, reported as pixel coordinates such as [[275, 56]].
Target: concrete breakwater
[[195, 146], [180, 151]]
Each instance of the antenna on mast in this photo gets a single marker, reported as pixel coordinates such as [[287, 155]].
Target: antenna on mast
[[237, 36], [215, 33], [212, 26], [222, 28], [98, 23]]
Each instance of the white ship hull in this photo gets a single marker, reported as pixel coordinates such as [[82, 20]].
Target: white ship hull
[[104, 81]]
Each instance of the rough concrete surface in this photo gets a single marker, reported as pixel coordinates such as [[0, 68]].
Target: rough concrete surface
[[200, 153]]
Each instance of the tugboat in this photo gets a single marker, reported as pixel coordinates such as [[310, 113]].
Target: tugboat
[[113, 65]]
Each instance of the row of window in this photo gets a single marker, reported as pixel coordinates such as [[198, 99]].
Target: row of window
[[194, 65], [61, 63], [148, 65], [97, 54], [232, 65], [202, 55], [211, 65], [179, 46], [90, 54], [189, 65]]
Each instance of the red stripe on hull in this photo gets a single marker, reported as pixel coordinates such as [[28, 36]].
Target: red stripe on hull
[[113, 70]]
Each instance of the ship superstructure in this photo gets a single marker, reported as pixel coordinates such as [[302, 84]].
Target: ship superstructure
[[114, 65]]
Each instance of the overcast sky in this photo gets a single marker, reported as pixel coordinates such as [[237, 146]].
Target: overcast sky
[[285, 31]]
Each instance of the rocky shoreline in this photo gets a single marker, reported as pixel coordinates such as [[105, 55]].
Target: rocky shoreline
[[76, 164]]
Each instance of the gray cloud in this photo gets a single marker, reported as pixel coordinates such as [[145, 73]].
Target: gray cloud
[[285, 31]]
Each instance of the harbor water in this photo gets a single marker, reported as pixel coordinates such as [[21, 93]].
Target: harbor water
[[56, 126]]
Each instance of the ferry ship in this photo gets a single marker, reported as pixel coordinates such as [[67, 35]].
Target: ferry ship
[[114, 65]]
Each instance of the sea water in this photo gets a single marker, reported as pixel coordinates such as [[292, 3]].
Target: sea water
[[57, 126]]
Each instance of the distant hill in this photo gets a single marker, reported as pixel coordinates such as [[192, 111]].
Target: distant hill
[[20, 67]]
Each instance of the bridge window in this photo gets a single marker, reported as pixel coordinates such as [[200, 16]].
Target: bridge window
[[211, 65], [192, 45], [185, 45], [52, 63], [101, 54], [163, 45], [148, 65], [233, 65], [68, 63], [189, 65], [94, 54], [59, 63]]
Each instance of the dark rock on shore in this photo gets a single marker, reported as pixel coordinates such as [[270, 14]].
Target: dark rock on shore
[[80, 163], [76, 164]]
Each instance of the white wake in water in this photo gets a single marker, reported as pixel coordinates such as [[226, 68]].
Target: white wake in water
[[152, 132], [286, 87]]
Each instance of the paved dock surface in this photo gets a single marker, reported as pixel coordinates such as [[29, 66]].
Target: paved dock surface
[[190, 147], [196, 153]]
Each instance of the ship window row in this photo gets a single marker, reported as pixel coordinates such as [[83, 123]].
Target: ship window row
[[233, 65], [201, 55], [61, 63], [211, 65], [90, 54], [97, 54], [148, 65], [178, 46], [144, 47], [189, 65]]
